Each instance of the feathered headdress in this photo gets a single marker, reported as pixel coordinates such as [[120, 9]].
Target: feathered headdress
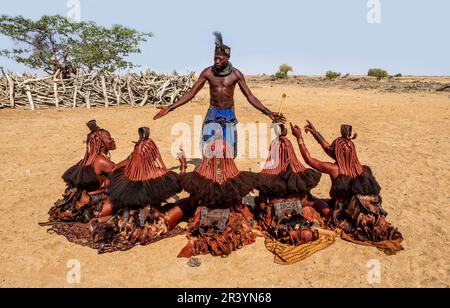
[[221, 48]]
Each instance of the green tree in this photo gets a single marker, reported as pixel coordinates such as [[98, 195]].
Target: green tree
[[283, 71], [55, 40], [332, 75], [377, 72]]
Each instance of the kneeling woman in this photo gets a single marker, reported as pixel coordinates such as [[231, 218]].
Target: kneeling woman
[[138, 188], [355, 193], [282, 209], [85, 196], [221, 223]]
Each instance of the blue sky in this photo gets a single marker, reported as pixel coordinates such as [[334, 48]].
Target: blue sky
[[313, 36]]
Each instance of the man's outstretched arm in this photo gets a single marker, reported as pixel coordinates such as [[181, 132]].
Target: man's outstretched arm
[[254, 101], [198, 85]]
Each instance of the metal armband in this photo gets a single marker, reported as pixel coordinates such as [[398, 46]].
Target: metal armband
[[319, 137]]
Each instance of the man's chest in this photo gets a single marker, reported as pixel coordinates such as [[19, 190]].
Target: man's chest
[[223, 82]]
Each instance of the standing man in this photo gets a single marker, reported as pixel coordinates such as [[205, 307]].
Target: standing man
[[222, 78]]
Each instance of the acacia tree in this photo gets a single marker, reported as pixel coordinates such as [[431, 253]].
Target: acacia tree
[[55, 40], [283, 71]]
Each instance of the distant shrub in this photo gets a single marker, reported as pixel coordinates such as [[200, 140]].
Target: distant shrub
[[283, 71], [332, 75], [377, 72], [280, 75], [284, 68], [398, 75]]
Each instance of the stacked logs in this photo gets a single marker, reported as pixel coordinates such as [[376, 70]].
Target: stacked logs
[[92, 90]]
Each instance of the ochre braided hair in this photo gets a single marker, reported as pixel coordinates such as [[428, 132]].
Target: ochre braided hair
[[282, 156], [145, 162], [94, 143], [218, 163], [345, 153]]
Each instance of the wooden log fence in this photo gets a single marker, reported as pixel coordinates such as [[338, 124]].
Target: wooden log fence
[[92, 90]]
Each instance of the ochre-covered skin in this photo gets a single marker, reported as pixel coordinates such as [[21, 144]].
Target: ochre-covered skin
[[86, 181], [355, 193]]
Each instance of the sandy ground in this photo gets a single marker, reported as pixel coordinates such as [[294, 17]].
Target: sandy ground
[[403, 137]]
